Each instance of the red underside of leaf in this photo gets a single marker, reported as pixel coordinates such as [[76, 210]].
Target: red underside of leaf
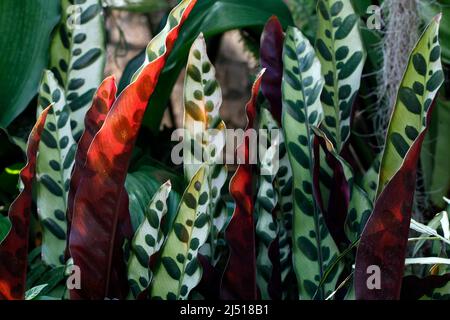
[[102, 103], [336, 212], [272, 59], [100, 224], [14, 249], [384, 239], [239, 279], [413, 288]]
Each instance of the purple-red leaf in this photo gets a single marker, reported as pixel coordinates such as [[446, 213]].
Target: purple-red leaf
[[14, 248], [385, 237], [101, 221], [239, 278], [272, 60]]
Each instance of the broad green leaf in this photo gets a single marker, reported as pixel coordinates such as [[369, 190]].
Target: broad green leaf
[[77, 56], [266, 201], [25, 28], [53, 170], [5, 227], [204, 136], [313, 247], [435, 157], [179, 270], [340, 49], [420, 84], [147, 241], [136, 5]]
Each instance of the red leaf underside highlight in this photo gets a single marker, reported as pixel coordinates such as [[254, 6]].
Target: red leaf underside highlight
[[239, 279], [100, 224], [14, 248]]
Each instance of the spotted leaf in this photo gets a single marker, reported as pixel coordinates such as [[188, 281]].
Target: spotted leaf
[[78, 55], [147, 241], [340, 49], [416, 93], [313, 247], [179, 270], [53, 169]]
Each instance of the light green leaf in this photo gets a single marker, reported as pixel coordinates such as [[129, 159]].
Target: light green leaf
[[266, 200], [147, 240], [340, 49], [419, 86], [53, 170], [78, 56], [204, 137], [179, 270], [313, 247]]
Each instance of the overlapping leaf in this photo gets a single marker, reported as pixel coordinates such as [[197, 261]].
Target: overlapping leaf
[[272, 60], [340, 50], [77, 56], [99, 253], [204, 135], [417, 91], [14, 248], [383, 242], [147, 240], [313, 247], [53, 169], [179, 270], [239, 278], [266, 201]]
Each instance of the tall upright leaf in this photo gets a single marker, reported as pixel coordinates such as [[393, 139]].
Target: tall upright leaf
[[416, 93], [205, 134], [383, 242], [313, 247], [78, 55], [53, 169], [179, 270], [14, 248], [340, 49], [102, 269], [272, 40], [266, 201], [95, 117], [147, 241], [239, 278]]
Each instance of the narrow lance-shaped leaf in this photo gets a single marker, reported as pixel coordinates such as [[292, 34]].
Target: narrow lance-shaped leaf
[[239, 278], [147, 241], [272, 40], [383, 242], [179, 270], [340, 50], [78, 56], [53, 169], [313, 247], [14, 248], [416, 93], [103, 272], [204, 135], [266, 200], [95, 117]]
